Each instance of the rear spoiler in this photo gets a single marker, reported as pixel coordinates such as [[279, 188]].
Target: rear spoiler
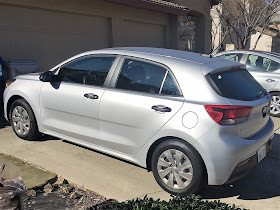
[[219, 65]]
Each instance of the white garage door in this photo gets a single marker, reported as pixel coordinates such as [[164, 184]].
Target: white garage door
[[49, 37]]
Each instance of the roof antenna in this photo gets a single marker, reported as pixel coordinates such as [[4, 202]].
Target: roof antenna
[[207, 55]]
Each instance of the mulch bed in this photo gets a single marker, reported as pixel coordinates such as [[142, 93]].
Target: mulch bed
[[63, 195]]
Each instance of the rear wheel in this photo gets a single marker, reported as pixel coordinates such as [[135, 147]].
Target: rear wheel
[[178, 168], [23, 120], [275, 104]]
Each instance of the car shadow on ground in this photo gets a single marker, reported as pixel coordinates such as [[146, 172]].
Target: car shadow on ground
[[3, 123], [46, 137], [261, 183], [102, 153]]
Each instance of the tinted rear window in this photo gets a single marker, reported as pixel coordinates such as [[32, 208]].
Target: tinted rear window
[[236, 84]]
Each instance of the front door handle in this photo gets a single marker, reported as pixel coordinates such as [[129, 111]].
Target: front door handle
[[91, 96], [161, 108], [270, 80]]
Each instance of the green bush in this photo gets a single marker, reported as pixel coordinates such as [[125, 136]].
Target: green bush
[[191, 202]]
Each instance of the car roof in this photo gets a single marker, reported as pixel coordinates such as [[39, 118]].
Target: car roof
[[161, 52], [168, 57], [274, 54]]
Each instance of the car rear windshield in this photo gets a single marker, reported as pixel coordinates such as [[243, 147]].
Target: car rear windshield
[[237, 84]]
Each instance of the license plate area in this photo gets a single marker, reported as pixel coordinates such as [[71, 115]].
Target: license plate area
[[266, 110], [261, 153]]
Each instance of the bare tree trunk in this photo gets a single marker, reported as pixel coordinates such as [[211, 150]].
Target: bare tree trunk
[[242, 17], [256, 42]]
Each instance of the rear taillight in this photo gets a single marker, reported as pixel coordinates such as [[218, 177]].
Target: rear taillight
[[228, 114]]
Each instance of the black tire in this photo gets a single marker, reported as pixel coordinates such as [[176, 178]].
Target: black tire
[[275, 103], [198, 170], [32, 132]]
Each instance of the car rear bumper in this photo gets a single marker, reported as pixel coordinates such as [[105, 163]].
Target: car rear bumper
[[222, 150], [241, 170]]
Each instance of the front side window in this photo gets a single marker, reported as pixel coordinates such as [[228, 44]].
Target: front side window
[[89, 70], [257, 63], [232, 57]]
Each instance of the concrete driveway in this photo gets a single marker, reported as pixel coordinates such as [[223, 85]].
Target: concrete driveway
[[119, 180]]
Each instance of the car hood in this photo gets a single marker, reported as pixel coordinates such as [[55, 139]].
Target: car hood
[[31, 76]]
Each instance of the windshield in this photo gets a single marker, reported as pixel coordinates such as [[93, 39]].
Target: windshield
[[237, 84]]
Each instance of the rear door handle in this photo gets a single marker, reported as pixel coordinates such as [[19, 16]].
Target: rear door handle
[[91, 96], [161, 108], [270, 80]]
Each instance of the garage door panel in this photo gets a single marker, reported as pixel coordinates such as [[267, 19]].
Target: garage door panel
[[142, 34], [32, 19], [49, 37]]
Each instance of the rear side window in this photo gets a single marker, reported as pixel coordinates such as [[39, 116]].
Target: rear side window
[[257, 63], [146, 77], [236, 84], [274, 66], [170, 87], [232, 57]]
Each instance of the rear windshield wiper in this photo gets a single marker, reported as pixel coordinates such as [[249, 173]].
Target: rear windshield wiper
[[261, 92]]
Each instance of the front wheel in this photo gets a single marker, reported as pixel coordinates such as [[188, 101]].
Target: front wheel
[[275, 104], [23, 120], [178, 168]]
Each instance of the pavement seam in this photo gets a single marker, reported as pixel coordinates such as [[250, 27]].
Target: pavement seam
[[277, 129]]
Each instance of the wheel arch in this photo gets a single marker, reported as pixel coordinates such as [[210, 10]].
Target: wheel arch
[[274, 91], [10, 101], [152, 149], [16, 97], [159, 141]]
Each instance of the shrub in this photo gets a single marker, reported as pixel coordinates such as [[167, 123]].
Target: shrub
[[191, 202]]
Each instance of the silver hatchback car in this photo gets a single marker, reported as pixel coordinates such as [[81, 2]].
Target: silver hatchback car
[[191, 119], [265, 68]]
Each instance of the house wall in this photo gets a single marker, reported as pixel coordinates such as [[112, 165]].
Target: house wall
[[201, 10], [264, 43], [50, 31], [216, 30], [276, 44]]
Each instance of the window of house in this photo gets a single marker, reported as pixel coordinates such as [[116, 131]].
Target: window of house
[[145, 77], [89, 70]]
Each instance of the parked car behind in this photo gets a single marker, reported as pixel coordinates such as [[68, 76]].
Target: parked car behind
[[265, 67], [192, 120]]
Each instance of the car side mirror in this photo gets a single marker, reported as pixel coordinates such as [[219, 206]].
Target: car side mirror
[[46, 76]]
